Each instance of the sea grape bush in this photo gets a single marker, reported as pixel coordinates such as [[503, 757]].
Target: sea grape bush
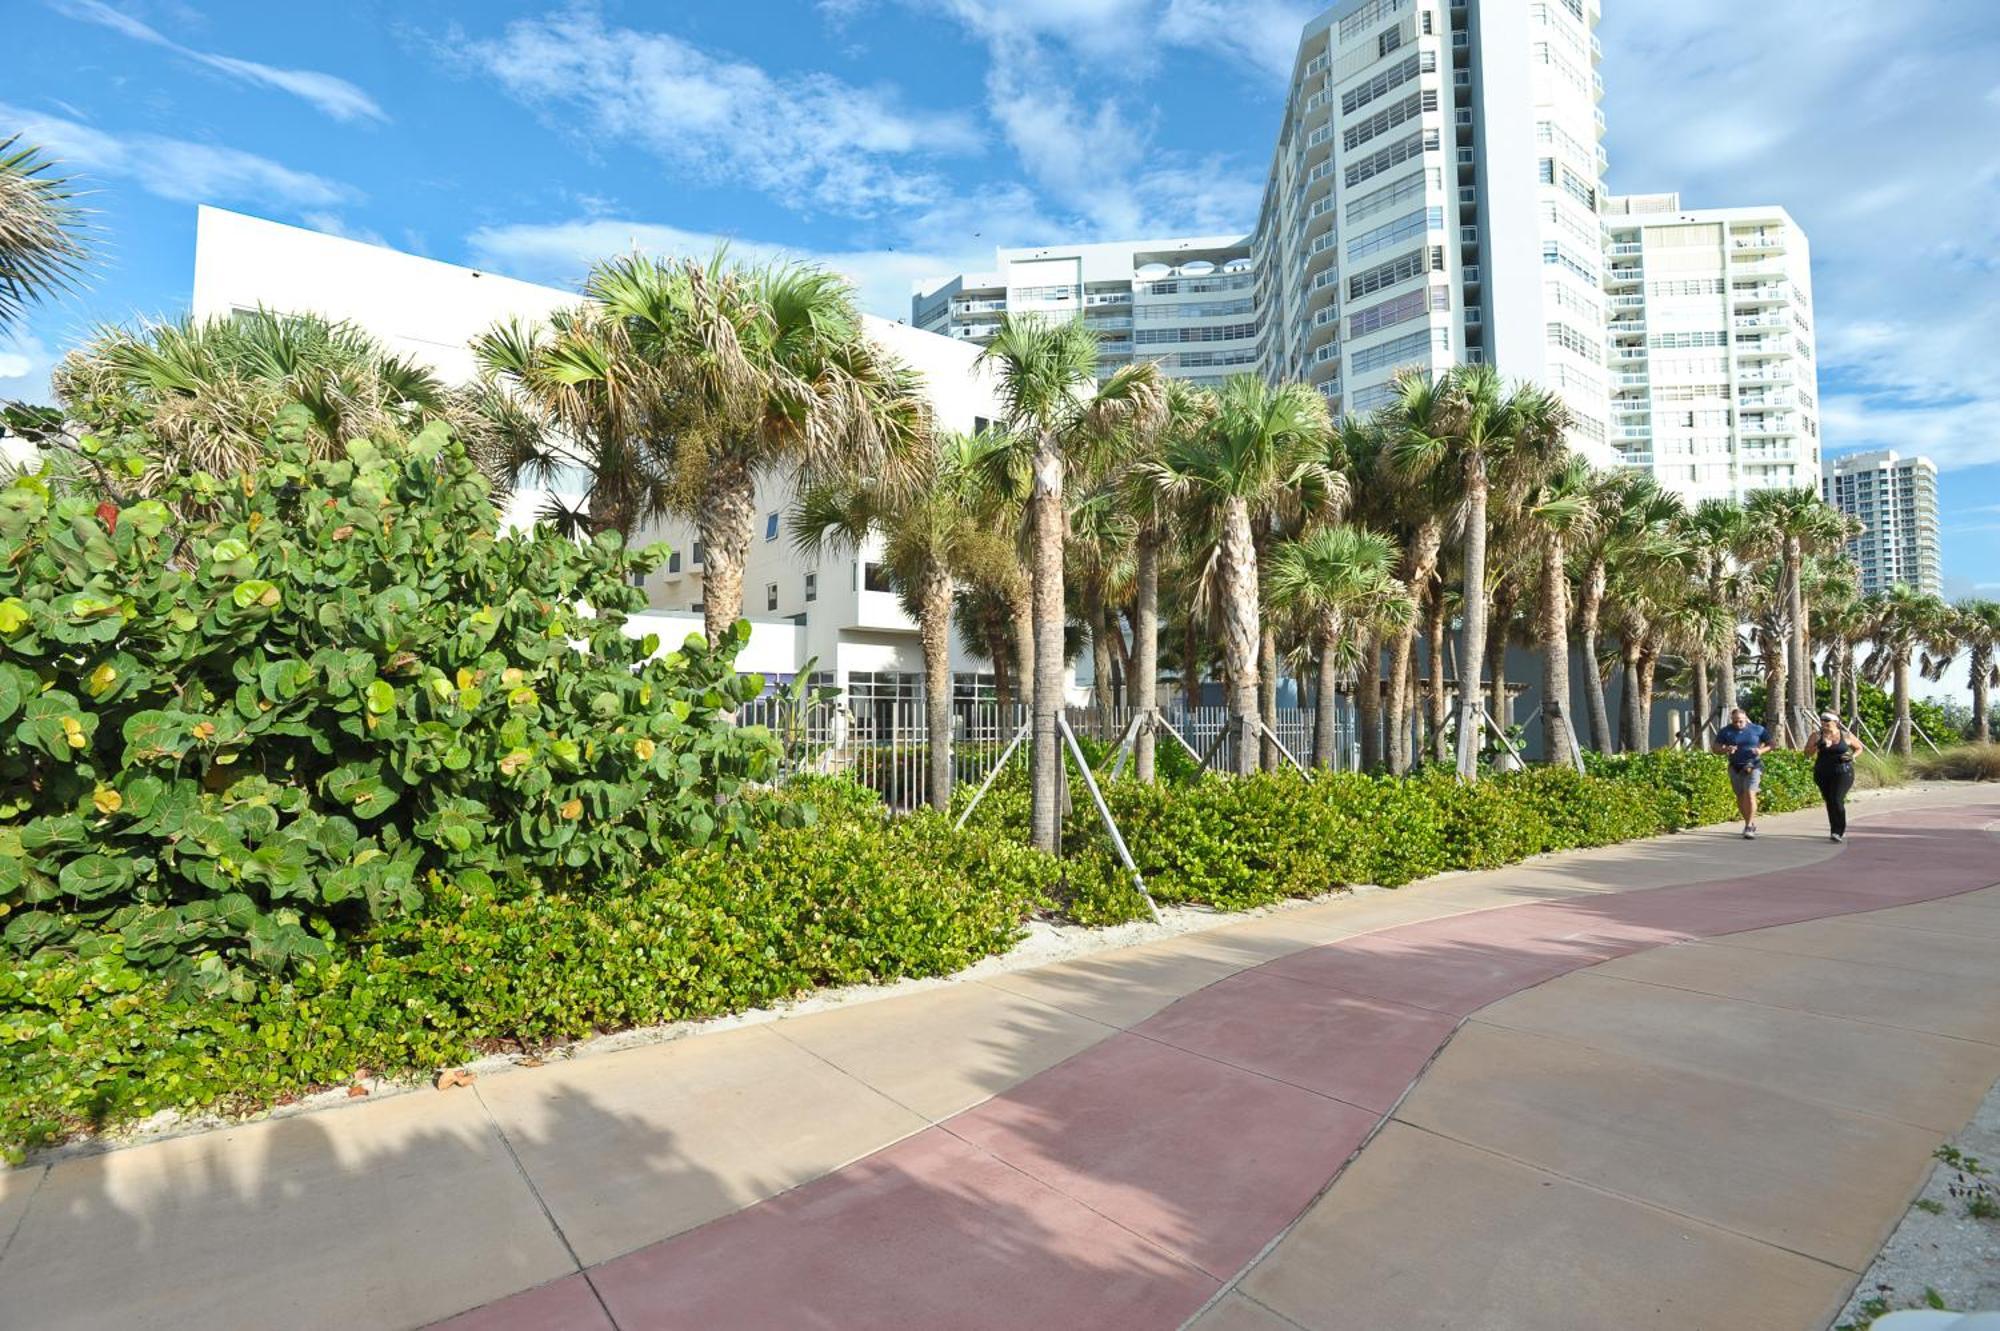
[[246, 715]]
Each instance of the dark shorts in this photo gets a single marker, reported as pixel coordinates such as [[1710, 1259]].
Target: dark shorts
[[1745, 780]]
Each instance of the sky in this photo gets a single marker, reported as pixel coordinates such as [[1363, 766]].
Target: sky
[[901, 140]]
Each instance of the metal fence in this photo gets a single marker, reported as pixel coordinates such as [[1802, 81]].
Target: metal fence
[[885, 745]]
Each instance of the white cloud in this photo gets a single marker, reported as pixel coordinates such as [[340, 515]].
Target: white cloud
[[809, 139], [332, 95], [178, 169], [1872, 136], [25, 362], [561, 252]]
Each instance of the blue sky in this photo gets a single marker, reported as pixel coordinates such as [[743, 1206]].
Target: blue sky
[[903, 139]]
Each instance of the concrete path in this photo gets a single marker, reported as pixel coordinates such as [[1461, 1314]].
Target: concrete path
[[1628, 1126]]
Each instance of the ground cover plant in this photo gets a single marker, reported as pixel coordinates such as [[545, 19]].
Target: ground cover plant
[[1960, 762]]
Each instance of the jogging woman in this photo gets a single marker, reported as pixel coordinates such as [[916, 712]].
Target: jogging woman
[[1833, 750]]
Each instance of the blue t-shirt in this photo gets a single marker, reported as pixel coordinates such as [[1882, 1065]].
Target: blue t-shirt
[[1744, 741]]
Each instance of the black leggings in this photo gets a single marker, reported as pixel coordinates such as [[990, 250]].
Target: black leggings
[[1833, 788]]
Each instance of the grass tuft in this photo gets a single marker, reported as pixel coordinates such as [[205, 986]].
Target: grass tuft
[[1965, 762]]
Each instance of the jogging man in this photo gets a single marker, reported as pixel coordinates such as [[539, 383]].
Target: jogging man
[[1746, 743]]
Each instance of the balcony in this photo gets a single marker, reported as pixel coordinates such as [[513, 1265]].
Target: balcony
[[1776, 374], [1759, 293], [1628, 300], [1622, 274], [1631, 379], [1626, 327], [1760, 321], [1770, 242], [1108, 298], [960, 308], [1632, 432], [1628, 354], [1623, 248]]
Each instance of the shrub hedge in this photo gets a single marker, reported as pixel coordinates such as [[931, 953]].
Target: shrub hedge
[[246, 717], [92, 1041], [843, 894], [1234, 843]]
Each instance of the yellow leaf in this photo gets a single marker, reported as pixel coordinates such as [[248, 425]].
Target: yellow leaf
[[573, 810], [107, 800], [644, 748]]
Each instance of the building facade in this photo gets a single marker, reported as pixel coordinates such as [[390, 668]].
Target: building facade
[[1713, 361], [1187, 304], [1895, 498], [832, 614]]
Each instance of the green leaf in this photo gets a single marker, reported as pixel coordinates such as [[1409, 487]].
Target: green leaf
[[93, 876]]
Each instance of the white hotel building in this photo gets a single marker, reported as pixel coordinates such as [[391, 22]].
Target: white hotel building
[[1714, 385], [835, 612], [1895, 499]]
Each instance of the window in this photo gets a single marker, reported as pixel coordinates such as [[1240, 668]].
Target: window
[[1394, 155], [1400, 350], [1394, 271], [1381, 200], [980, 425], [697, 607], [1398, 309], [812, 588], [674, 562], [1392, 233], [874, 578], [1388, 118], [770, 596], [1381, 84], [770, 526], [1388, 41]]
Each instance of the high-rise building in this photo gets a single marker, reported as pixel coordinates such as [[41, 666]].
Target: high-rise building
[[1896, 501], [1713, 376], [1433, 199], [1188, 304]]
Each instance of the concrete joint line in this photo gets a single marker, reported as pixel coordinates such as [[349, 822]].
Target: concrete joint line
[[22, 1219], [1787, 1007], [529, 1179], [1630, 1200]]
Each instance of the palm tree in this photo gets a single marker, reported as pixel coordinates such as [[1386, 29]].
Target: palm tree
[[1486, 429], [1047, 373], [1637, 514], [1263, 450], [1184, 409], [1900, 621], [41, 229], [209, 392], [1803, 525], [1416, 508], [1978, 627], [931, 540], [1719, 533], [1327, 579], [1558, 511]]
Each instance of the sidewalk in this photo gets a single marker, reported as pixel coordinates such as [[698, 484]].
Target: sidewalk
[[1634, 1129]]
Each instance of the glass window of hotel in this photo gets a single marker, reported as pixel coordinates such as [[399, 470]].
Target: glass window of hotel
[[770, 596], [770, 526], [812, 587], [695, 559], [874, 577]]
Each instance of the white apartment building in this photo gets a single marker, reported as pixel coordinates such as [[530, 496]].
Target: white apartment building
[[1188, 304], [1432, 199], [834, 613], [1713, 365], [1896, 500]]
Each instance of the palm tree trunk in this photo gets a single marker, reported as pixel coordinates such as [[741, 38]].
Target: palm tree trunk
[[1121, 660], [727, 520], [1725, 680], [1649, 666], [1145, 677], [1700, 701], [1982, 670], [1496, 662], [1326, 692], [1003, 676], [1589, 610], [1435, 694], [1267, 697], [1402, 649], [1368, 703], [1631, 723], [1472, 645], [1802, 673], [1905, 732], [1240, 628], [1777, 686], [1552, 629], [1023, 607], [934, 631], [1046, 522], [1100, 661]]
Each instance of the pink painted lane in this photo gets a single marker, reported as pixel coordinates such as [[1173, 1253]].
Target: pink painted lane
[[1199, 1157], [931, 1232], [1124, 1186]]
